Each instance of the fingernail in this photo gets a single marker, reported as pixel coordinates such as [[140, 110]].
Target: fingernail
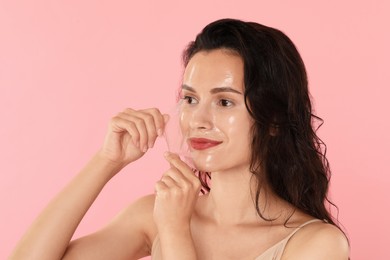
[[145, 149], [159, 132], [150, 145]]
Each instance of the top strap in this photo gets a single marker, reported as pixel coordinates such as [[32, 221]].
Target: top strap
[[301, 226]]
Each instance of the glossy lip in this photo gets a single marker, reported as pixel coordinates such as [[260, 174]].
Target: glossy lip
[[202, 143]]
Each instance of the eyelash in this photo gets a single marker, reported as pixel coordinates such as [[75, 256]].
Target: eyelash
[[222, 102], [188, 98]]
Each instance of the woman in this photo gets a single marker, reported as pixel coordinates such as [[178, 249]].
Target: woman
[[246, 115]]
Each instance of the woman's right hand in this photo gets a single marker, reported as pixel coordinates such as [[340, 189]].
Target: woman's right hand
[[131, 133]]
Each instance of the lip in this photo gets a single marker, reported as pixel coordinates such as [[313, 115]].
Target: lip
[[203, 143]]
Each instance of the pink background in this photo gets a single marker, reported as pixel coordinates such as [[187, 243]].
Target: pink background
[[66, 67]]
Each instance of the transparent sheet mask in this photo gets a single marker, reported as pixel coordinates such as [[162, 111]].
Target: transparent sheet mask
[[176, 142], [205, 160]]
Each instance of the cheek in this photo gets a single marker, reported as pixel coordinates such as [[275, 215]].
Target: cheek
[[235, 125], [238, 132]]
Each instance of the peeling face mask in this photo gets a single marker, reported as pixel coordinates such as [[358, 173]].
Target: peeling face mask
[[175, 141], [215, 139], [215, 124]]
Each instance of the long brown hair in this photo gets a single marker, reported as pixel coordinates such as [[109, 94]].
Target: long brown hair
[[286, 152]]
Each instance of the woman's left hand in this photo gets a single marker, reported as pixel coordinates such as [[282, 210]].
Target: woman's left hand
[[176, 196]]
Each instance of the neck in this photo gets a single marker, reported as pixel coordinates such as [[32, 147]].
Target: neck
[[231, 200]]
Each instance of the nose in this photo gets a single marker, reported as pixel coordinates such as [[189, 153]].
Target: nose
[[201, 117]]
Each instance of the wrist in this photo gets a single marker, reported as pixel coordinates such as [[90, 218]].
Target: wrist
[[177, 243], [109, 167], [174, 231]]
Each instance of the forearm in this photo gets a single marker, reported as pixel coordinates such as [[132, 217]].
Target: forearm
[[49, 235], [177, 245]]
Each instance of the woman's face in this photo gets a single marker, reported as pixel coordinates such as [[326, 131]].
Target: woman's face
[[213, 116]]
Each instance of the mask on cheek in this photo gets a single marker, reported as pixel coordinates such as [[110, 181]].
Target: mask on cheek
[[216, 126], [175, 140]]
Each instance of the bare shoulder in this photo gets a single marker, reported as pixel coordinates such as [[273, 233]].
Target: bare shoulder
[[137, 218], [318, 240], [140, 212]]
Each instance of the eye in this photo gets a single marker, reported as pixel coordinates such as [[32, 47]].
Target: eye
[[225, 103], [190, 100]]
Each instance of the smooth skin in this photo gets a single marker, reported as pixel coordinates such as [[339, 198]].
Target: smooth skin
[[220, 225]]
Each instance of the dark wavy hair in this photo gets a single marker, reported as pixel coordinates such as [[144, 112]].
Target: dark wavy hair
[[287, 154]]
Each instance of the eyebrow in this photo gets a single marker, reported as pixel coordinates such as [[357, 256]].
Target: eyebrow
[[214, 90]]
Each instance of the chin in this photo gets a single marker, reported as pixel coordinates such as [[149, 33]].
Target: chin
[[208, 162], [204, 167]]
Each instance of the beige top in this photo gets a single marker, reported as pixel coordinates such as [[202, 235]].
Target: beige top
[[273, 253]]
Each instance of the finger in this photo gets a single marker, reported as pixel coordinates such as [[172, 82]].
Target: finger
[[159, 119], [176, 176], [139, 123], [160, 187], [151, 127], [169, 181], [119, 124], [176, 161], [181, 166], [154, 122], [166, 188]]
